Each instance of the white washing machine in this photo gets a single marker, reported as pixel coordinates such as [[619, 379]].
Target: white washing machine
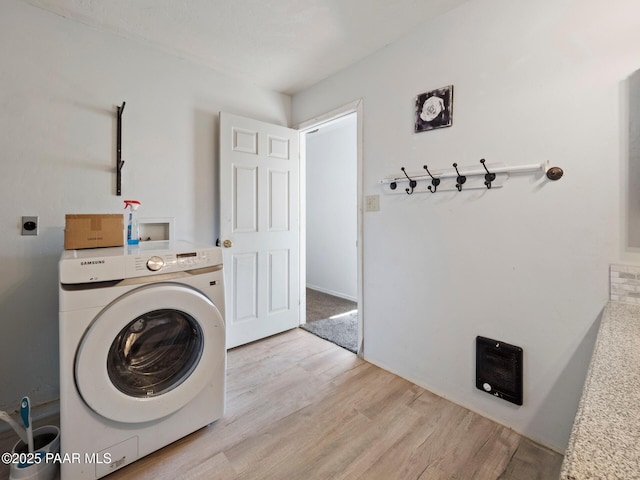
[[142, 351]]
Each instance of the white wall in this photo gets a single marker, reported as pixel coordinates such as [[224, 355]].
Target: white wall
[[528, 263], [60, 83], [331, 198]]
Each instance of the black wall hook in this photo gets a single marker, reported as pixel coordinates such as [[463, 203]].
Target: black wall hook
[[488, 177], [412, 183], [434, 181], [119, 161], [460, 179]]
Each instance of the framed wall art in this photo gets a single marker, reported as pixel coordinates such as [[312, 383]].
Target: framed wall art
[[434, 109]]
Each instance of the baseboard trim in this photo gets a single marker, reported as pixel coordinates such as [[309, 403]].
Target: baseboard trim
[[468, 406], [332, 292], [38, 413]]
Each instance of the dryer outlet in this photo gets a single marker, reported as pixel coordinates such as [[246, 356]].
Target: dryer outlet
[[29, 225]]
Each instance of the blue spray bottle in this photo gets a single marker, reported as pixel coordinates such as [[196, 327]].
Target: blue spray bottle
[[133, 233]]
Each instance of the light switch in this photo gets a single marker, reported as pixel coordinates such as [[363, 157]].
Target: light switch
[[372, 203]]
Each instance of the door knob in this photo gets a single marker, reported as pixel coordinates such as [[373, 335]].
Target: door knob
[[227, 243]]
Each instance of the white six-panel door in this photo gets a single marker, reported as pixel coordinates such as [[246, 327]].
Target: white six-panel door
[[259, 227]]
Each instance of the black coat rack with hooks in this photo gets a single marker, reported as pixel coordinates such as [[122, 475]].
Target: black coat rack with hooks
[[486, 177], [119, 161]]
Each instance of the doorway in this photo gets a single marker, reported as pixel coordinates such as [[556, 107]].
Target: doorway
[[331, 286]]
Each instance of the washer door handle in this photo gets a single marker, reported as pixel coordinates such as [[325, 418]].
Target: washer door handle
[[227, 244]]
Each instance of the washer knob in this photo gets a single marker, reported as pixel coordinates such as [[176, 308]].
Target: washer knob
[[155, 263]]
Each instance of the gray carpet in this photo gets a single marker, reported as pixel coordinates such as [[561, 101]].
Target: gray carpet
[[322, 305], [340, 329]]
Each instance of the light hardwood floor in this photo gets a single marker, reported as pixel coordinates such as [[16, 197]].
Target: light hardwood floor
[[301, 408]]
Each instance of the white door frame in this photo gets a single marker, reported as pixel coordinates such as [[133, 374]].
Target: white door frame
[[304, 127]]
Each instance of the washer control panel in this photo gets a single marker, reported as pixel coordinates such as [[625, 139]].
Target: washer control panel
[[118, 263], [190, 259], [173, 261]]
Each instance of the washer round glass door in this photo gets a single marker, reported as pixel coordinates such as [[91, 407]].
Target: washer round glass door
[[155, 353], [149, 352]]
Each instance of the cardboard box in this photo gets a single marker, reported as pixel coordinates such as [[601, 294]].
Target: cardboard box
[[93, 230]]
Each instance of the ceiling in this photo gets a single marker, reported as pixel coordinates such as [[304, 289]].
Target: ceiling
[[282, 45]]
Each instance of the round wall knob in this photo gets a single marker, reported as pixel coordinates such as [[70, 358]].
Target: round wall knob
[[554, 173], [227, 244], [155, 263]]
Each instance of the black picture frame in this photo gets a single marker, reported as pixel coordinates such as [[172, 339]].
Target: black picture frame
[[434, 109]]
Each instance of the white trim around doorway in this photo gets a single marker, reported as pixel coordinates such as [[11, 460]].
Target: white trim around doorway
[[304, 127]]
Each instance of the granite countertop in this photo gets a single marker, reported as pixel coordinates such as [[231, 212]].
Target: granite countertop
[[605, 440]]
